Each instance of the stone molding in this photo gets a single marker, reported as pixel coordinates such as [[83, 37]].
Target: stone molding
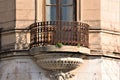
[[5, 54], [98, 30], [64, 48]]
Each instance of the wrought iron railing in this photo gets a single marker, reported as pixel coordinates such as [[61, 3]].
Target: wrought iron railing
[[53, 32]]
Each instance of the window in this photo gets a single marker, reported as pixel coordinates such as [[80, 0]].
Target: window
[[60, 10]]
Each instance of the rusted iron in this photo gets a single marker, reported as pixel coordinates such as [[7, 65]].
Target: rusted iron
[[53, 32]]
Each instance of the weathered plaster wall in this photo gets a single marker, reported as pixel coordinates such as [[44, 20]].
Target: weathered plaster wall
[[20, 68], [110, 41], [110, 15], [7, 13], [89, 70], [7, 21], [103, 16], [40, 10], [90, 12], [98, 68], [101, 13], [7, 40], [94, 40], [110, 69], [110, 23], [93, 68], [25, 13]]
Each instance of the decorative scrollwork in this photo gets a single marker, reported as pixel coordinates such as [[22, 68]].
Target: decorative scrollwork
[[59, 75], [21, 40]]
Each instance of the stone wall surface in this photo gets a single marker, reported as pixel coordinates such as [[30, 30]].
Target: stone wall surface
[[95, 40], [7, 13], [93, 68], [89, 70], [20, 68], [90, 12], [8, 40], [110, 42], [25, 13], [103, 18], [98, 69], [110, 69], [110, 15]]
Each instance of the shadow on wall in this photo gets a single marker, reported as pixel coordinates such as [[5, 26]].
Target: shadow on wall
[[22, 41]]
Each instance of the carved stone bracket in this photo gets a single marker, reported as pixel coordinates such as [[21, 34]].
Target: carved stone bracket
[[59, 75], [59, 65], [58, 62]]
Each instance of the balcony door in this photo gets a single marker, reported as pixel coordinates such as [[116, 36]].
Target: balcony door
[[60, 10]]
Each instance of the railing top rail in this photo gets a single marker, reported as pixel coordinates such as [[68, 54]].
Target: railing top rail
[[58, 22]]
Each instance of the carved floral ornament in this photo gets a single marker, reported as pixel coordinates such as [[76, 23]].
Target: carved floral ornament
[[60, 75], [21, 40]]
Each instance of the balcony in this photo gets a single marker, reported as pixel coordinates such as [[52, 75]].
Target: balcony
[[55, 59], [53, 32]]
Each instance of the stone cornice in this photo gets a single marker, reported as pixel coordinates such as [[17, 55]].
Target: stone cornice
[[98, 30], [53, 48], [94, 53], [5, 54], [105, 53], [13, 30]]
